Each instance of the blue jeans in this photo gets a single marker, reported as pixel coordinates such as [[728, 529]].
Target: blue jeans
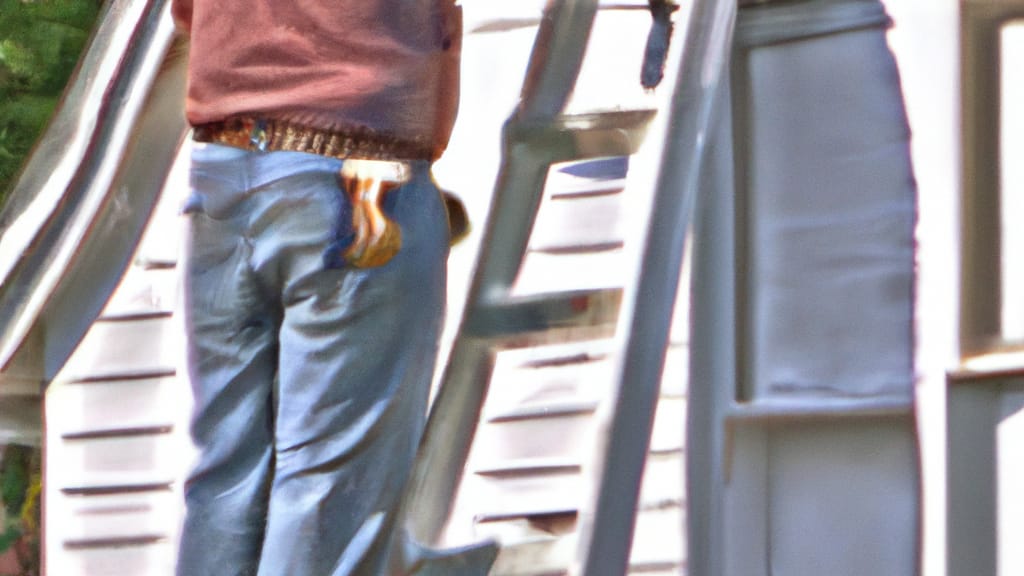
[[310, 378]]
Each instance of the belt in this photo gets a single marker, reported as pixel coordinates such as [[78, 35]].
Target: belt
[[266, 135], [375, 165]]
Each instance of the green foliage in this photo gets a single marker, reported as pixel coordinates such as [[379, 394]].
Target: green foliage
[[20, 486], [40, 42]]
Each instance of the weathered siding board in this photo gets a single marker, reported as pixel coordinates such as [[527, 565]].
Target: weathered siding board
[[115, 436]]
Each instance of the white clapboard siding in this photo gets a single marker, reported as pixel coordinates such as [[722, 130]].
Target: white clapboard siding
[[527, 476], [115, 433]]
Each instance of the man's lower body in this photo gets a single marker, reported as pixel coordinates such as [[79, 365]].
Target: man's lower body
[[310, 377]]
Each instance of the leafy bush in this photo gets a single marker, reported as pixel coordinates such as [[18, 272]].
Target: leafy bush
[[40, 42], [20, 487]]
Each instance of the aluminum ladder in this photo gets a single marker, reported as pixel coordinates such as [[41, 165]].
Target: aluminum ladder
[[536, 136]]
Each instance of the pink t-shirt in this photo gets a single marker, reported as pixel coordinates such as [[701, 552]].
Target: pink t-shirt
[[390, 66]]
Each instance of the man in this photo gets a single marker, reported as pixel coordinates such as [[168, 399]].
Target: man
[[315, 275]]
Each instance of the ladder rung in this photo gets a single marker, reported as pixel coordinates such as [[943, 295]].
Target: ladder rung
[[604, 121], [520, 316], [579, 136]]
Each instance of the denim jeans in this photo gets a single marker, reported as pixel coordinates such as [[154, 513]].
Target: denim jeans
[[310, 378]]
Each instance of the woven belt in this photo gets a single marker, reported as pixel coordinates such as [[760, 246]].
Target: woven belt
[[374, 165], [267, 135]]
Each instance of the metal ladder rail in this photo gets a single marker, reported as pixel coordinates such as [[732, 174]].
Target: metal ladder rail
[[644, 322], [534, 137]]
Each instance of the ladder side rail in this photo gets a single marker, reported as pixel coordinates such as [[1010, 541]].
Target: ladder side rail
[[644, 323], [556, 59], [451, 426]]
